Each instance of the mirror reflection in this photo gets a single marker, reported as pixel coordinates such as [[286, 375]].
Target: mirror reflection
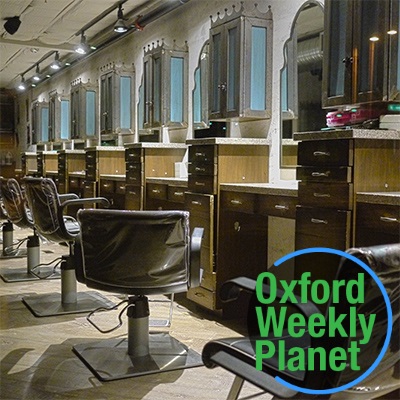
[[301, 80]]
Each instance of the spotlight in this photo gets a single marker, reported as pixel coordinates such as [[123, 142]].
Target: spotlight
[[22, 84], [37, 77], [120, 25], [12, 24], [56, 64], [82, 47]]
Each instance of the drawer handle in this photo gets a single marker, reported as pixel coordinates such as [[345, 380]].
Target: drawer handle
[[321, 174], [106, 185], [196, 203], [280, 207], [199, 183], [198, 294], [237, 202], [388, 219], [200, 169], [122, 187], [198, 154], [130, 192], [321, 194], [178, 193], [319, 221], [322, 154], [156, 191]]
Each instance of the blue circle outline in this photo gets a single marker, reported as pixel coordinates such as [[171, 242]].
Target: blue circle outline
[[388, 308]]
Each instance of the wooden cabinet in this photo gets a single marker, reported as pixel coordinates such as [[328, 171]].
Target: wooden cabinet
[[240, 65], [47, 163], [113, 189], [255, 228], [69, 161], [103, 163], [332, 171], [378, 219], [361, 55], [29, 164], [165, 194], [213, 162], [144, 160]]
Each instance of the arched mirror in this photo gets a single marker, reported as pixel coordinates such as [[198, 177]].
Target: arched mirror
[[301, 80]]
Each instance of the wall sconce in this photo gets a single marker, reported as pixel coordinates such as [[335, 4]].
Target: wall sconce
[[82, 47], [120, 25], [56, 64], [37, 76], [22, 84]]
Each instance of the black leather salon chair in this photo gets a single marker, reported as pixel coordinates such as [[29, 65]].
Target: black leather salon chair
[[17, 213], [237, 355], [137, 253], [47, 208]]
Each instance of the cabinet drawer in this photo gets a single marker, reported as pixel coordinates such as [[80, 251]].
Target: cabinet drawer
[[209, 280], [134, 176], [199, 203], [325, 152], [107, 186], [202, 296], [89, 189], [333, 195], [91, 173], [91, 157], [202, 169], [176, 194], [319, 227], [279, 206], [379, 218], [202, 154], [120, 187], [133, 155], [74, 183], [202, 183], [133, 197], [242, 202], [156, 191], [327, 174]]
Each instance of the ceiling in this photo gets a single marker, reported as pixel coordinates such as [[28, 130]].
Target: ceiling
[[56, 25]]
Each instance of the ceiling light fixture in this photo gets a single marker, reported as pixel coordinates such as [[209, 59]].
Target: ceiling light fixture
[[120, 25], [82, 47], [12, 24], [37, 76], [56, 64], [22, 84]]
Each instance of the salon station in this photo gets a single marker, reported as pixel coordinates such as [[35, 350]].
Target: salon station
[[158, 156]]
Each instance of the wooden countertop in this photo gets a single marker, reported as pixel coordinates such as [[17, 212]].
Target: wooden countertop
[[261, 188], [168, 181], [156, 145], [77, 174], [238, 141], [113, 177], [389, 198], [349, 134]]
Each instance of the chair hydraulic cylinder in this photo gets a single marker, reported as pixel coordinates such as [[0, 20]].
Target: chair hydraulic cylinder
[[138, 326], [68, 282], [33, 247], [8, 237]]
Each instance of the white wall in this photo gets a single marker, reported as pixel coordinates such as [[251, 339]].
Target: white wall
[[191, 22]]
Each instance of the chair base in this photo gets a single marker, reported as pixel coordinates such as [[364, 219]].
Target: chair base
[[47, 305], [22, 275], [109, 359], [18, 253]]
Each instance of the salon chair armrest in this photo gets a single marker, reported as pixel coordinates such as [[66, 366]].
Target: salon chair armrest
[[89, 200], [67, 196]]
